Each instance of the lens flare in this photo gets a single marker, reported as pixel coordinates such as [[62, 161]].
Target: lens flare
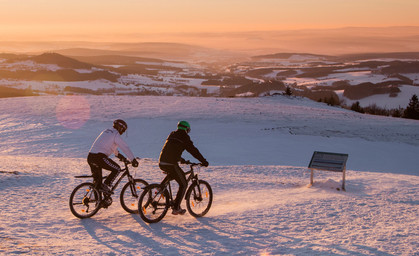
[[73, 111]]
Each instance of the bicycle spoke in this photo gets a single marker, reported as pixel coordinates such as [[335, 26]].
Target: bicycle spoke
[[130, 194], [84, 201], [153, 204], [199, 199]]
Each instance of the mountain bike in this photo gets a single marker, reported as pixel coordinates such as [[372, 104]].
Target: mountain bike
[[156, 199], [86, 199]]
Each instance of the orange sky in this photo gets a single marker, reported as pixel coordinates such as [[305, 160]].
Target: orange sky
[[132, 20]]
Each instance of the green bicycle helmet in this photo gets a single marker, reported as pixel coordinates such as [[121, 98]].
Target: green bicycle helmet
[[183, 125]]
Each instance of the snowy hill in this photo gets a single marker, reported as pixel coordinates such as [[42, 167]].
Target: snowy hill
[[258, 150], [386, 80], [60, 60]]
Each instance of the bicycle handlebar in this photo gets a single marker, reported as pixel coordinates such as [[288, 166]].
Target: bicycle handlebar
[[192, 164], [123, 159]]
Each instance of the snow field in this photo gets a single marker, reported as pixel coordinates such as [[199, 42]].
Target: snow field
[[263, 131], [257, 210], [258, 150]]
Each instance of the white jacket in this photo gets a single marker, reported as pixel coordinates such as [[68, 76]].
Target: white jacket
[[108, 143]]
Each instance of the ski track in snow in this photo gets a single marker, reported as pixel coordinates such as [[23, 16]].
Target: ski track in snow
[[257, 149]]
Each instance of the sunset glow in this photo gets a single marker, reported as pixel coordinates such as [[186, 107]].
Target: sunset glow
[[133, 20]]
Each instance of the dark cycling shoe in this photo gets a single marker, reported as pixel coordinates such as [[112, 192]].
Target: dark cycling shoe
[[179, 211], [106, 189]]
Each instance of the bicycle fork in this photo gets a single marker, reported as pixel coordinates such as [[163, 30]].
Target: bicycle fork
[[132, 186], [196, 192]]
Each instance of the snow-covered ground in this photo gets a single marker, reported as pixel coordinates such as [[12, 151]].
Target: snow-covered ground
[[352, 77], [189, 78], [383, 100], [258, 150], [401, 100]]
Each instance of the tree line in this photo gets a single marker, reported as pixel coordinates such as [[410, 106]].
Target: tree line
[[410, 112]]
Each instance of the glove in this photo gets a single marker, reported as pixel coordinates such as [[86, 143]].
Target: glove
[[204, 163], [120, 157], [134, 163]]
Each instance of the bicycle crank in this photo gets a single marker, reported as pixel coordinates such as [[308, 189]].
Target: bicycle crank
[[106, 202]]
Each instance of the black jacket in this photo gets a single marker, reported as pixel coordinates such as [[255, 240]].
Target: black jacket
[[175, 144]]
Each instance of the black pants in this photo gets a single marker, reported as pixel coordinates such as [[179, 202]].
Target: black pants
[[100, 161], [176, 173]]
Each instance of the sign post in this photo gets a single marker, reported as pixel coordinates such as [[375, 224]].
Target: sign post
[[327, 161]]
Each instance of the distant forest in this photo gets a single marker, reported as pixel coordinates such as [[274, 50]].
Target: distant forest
[[12, 92]]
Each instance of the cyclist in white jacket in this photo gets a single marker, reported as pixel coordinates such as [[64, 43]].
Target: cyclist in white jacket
[[106, 144]]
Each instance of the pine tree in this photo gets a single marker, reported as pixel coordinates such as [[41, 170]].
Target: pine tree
[[412, 110], [357, 107], [288, 91]]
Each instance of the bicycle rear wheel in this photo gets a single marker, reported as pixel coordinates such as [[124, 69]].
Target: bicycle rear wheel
[[199, 198], [153, 203], [130, 194], [85, 201]]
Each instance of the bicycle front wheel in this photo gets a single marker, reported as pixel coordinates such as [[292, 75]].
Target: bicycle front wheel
[[85, 201], [199, 198], [153, 203], [130, 194]]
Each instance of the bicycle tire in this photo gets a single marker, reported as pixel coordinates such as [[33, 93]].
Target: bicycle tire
[[153, 203], [85, 201], [199, 198], [129, 198]]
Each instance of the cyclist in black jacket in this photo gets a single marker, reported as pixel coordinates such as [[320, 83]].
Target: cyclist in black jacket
[[171, 154]]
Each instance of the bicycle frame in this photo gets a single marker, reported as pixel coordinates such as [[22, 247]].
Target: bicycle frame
[[125, 173], [87, 198], [165, 184], [157, 198]]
